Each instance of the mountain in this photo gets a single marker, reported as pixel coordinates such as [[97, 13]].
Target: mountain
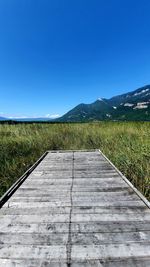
[[3, 119], [133, 105], [44, 119], [83, 112]]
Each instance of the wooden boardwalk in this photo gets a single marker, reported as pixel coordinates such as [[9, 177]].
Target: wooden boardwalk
[[75, 209]]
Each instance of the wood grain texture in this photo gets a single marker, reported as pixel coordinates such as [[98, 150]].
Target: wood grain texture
[[75, 209]]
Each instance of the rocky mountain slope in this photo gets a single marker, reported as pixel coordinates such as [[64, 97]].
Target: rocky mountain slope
[[133, 105]]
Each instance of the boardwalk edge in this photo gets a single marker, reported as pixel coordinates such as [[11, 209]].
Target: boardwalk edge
[[147, 203], [17, 184]]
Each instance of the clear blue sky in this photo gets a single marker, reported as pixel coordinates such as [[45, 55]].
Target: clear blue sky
[[56, 54]]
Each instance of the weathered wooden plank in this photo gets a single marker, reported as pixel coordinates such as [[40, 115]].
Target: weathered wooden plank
[[82, 204], [41, 239], [77, 175], [111, 203], [76, 238], [47, 227], [110, 251], [77, 189], [132, 262], [33, 208], [92, 227], [110, 238], [65, 197], [79, 196], [33, 252], [145, 217], [77, 181], [31, 263], [26, 219], [124, 262], [34, 218], [41, 199], [64, 188], [42, 208], [94, 174]]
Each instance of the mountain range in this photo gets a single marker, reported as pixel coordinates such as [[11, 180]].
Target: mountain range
[[133, 105], [26, 119]]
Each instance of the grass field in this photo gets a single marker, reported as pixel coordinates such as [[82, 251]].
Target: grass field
[[126, 144]]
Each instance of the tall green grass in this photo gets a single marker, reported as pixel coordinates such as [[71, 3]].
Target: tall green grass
[[126, 144]]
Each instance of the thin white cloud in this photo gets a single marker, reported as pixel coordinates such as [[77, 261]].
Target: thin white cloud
[[18, 117], [52, 116]]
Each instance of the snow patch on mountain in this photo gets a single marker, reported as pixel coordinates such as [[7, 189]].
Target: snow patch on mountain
[[142, 92], [128, 105], [141, 105], [108, 115]]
